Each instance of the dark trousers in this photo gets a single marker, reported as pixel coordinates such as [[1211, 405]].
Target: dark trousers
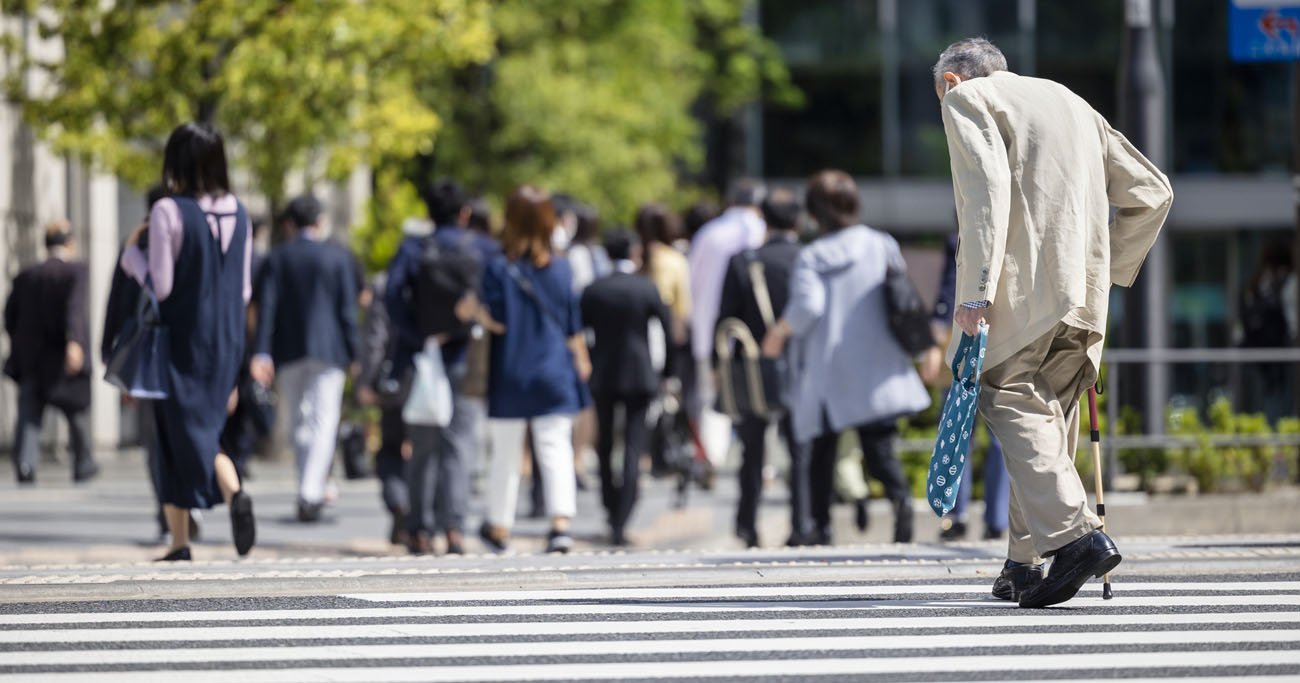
[[442, 460], [27, 433], [878, 461], [753, 431], [390, 467], [618, 488]]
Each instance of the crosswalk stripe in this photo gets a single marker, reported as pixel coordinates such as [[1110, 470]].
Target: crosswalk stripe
[[730, 669], [1012, 619], [952, 642], [760, 591], [603, 609]]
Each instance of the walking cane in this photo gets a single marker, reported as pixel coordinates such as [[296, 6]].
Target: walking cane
[[1096, 469]]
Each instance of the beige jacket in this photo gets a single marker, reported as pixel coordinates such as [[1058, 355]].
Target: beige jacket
[[1035, 172]]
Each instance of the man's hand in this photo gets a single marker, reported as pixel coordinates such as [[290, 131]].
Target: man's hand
[[232, 402], [969, 319], [262, 369], [774, 341], [467, 308], [74, 359]]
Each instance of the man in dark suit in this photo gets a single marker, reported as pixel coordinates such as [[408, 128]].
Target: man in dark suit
[[619, 309], [781, 210], [307, 335], [49, 330]]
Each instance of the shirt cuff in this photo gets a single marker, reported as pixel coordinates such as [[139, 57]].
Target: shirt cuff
[[976, 304]]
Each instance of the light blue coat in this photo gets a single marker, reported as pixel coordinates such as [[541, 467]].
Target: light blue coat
[[844, 358]]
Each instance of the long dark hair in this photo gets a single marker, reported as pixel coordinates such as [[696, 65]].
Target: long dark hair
[[194, 162], [655, 223]]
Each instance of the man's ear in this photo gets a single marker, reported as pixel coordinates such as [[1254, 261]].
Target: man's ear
[[952, 79]]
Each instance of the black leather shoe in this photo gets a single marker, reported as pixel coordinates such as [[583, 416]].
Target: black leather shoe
[[177, 555], [1016, 578], [903, 514], [617, 538], [748, 536], [1072, 565], [861, 519], [242, 524], [26, 474]]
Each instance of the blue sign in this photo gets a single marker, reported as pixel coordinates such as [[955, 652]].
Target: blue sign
[[1264, 30]]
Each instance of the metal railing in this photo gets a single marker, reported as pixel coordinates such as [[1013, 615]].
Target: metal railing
[[1112, 443]]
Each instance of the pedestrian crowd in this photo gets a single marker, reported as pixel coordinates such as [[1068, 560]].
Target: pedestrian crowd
[[556, 338]]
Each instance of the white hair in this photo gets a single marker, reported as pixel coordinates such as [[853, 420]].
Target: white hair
[[970, 58]]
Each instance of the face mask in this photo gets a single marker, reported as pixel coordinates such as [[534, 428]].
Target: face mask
[[560, 239]]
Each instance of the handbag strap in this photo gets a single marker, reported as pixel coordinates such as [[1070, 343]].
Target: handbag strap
[[758, 278], [968, 363], [526, 286]]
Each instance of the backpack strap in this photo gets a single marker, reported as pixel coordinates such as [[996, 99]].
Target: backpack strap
[[758, 278]]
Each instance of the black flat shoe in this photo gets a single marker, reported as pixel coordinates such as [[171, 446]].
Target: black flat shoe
[[177, 555], [1016, 578], [861, 518], [310, 513], [455, 542], [1072, 565], [493, 543], [951, 530], [242, 525]]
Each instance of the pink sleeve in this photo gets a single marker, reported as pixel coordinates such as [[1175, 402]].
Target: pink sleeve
[[165, 233], [135, 263]]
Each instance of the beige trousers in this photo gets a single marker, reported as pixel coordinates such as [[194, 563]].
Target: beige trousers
[[1031, 402]]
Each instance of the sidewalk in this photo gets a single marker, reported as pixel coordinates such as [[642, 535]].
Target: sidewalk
[[111, 519]]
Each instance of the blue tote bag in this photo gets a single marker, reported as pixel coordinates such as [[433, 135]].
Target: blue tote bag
[[138, 363], [956, 423]]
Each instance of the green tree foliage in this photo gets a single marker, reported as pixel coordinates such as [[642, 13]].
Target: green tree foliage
[[292, 84], [603, 99], [598, 97]]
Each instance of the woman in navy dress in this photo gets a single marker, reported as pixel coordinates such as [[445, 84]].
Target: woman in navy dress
[[197, 260], [539, 368]]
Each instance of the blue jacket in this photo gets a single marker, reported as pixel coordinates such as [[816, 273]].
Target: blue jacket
[[404, 266], [532, 371], [846, 363], [307, 306]]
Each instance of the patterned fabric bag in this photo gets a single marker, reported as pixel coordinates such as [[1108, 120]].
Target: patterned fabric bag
[[956, 423]]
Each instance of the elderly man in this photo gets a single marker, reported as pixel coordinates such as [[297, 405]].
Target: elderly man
[[1035, 173]]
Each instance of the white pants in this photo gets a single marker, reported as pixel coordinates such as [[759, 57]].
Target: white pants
[[553, 446], [312, 395]]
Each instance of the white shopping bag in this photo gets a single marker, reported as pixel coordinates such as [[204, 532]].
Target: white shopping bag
[[429, 403]]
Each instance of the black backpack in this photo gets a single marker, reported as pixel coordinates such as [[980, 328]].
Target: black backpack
[[909, 317], [443, 277]]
